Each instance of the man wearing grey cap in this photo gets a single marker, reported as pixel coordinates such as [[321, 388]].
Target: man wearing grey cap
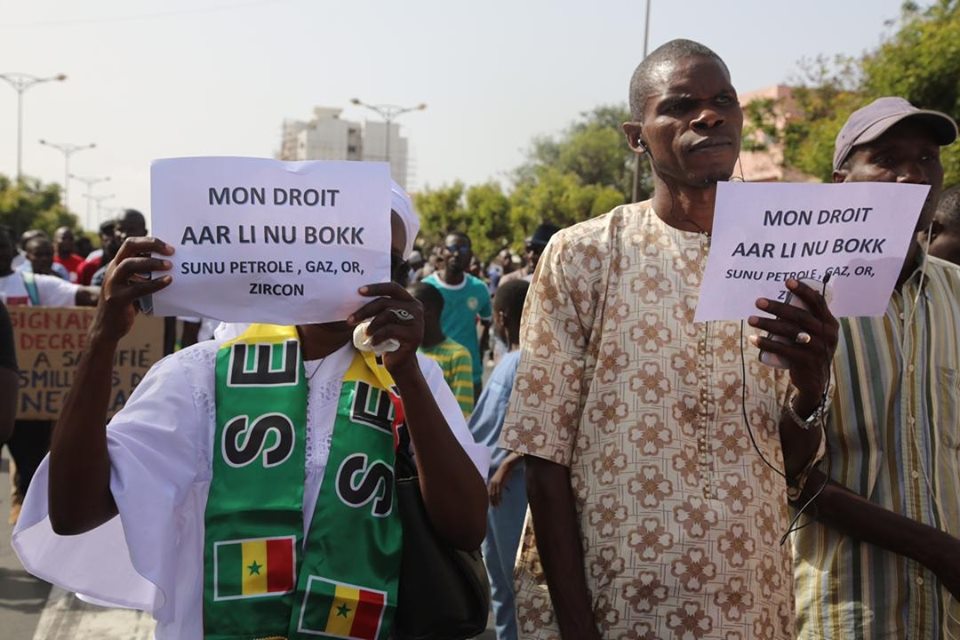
[[888, 566]]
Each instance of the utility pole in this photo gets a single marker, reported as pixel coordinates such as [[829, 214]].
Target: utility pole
[[99, 200], [637, 159], [389, 113], [89, 181], [20, 83], [67, 149]]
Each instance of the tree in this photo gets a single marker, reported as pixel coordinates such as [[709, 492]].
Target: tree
[[919, 61], [488, 219], [759, 124], [558, 197], [592, 148], [441, 211], [32, 205], [584, 171], [481, 211]]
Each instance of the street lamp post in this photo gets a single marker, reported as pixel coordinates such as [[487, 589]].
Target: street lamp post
[[20, 83], [99, 200], [636, 159], [67, 149], [389, 113], [89, 181]]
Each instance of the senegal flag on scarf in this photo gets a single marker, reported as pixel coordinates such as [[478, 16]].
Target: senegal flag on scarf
[[354, 612], [252, 568], [261, 578]]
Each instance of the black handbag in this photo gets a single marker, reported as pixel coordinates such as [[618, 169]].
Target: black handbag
[[444, 593]]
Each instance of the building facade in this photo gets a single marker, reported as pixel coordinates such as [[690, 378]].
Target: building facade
[[327, 136]]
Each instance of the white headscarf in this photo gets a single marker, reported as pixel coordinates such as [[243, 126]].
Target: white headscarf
[[400, 203]]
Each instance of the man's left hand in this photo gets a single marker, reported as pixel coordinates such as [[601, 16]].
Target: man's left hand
[[811, 340], [396, 314]]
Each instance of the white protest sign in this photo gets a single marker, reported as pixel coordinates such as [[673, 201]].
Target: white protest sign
[[261, 240], [766, 233]]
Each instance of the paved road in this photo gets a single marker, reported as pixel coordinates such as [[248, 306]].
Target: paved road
[[31, 610], [22, 597]]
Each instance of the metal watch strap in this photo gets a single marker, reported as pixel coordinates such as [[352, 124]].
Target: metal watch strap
[[812, 418]]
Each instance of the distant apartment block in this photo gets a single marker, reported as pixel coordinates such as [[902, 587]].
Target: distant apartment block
[[329, 137], [767, 165]]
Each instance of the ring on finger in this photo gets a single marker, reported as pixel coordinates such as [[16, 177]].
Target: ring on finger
[[803, 338], [402, 315]]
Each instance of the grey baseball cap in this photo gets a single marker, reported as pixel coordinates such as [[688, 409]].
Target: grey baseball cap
[[872, 121]]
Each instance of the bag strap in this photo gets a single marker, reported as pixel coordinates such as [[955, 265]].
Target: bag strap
[[30, 284], [404, 466]]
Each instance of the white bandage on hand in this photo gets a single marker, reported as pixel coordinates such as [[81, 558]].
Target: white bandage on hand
[[363, 342]]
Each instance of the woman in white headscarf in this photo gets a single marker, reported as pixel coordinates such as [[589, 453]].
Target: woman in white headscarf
[[157, 462]]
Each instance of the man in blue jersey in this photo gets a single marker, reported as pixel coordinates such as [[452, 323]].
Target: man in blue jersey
[[465, 300]]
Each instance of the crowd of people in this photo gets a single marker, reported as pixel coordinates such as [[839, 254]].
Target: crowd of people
[[40, 272], [628, 472]]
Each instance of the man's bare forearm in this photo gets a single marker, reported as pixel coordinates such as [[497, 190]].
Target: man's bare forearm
[[857, 517], [558, 541], [799, 445], [79, 488]]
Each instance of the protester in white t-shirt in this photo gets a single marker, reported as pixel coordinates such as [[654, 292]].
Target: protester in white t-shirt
[[23, 261], [51, 290]]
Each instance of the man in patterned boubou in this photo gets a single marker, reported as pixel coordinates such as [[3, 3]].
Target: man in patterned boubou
[[655, 516]]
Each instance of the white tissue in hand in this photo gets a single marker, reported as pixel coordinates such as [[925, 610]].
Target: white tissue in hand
[[363, 342]]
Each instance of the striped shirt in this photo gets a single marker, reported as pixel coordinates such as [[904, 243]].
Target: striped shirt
[[894, 436], [457, 365]]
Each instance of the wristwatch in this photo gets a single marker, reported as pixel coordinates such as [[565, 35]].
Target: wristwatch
[[812, 419]]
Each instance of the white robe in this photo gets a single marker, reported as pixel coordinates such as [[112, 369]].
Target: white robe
[[151, 556]]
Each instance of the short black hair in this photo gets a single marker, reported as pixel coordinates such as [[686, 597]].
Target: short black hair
[[132, 217], [948, 210], [643, 80], [108, 226], [460, 234], [29, 235], [428, 295], [35, 239], [510, 297]]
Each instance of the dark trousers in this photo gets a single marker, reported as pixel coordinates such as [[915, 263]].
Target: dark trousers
[[28, 445]]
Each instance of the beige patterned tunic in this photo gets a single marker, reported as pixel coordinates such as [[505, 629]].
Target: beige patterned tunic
[[680, 517]]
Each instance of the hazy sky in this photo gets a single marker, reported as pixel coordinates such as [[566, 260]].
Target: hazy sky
[[150, 79]]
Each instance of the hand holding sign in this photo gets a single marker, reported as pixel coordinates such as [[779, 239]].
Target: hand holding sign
[[811, 338], [128, 280], [396, 314]]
